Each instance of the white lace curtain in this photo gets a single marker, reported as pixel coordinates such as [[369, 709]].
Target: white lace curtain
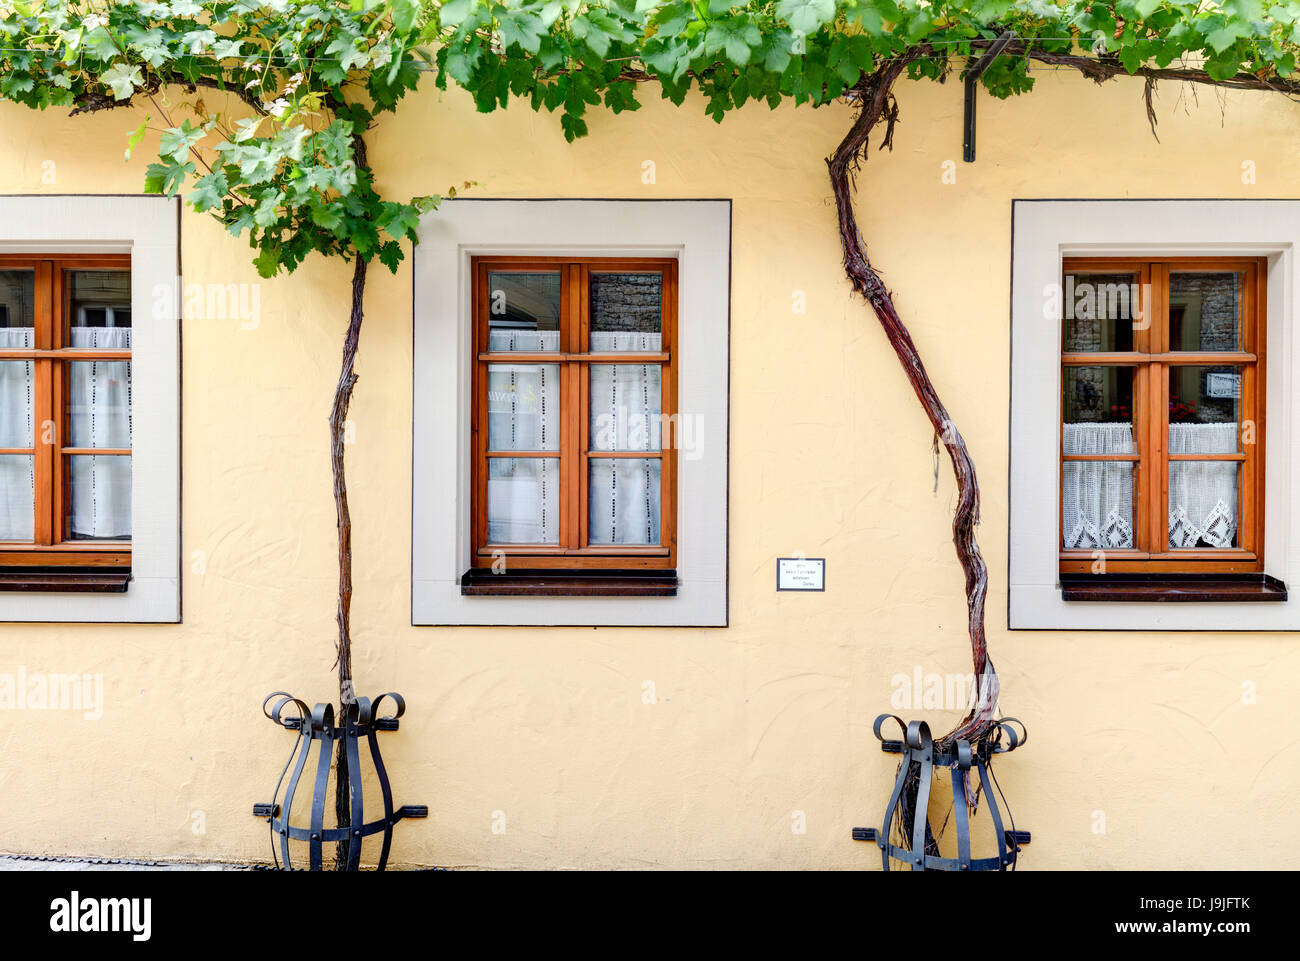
[[1097, 496], [524, 414], [17, 428], [623, 493], [99, 416]]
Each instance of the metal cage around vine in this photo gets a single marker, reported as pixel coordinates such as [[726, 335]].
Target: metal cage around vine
[[918, 766], [319, 735]]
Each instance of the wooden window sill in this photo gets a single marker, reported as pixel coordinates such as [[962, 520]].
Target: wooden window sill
[[1200, 588], [481, 582], [65, 580]]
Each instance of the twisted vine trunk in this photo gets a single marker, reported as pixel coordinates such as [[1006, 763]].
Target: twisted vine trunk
[[877, 106], [338, 419]]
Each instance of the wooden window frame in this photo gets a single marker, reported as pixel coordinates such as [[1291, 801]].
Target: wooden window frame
[[574, 552], [1152, 359], [51, 548]]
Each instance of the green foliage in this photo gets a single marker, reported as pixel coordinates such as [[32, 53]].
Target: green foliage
[[259, 101], [274, 93], [573, 55]]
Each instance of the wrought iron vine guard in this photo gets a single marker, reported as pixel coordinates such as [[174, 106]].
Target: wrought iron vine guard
[[317, 727], [919, 762]]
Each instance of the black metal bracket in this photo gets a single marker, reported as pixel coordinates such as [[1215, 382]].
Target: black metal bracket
[[973, 74], [316, 729], [968, 765]]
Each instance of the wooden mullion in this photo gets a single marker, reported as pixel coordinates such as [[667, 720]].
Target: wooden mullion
[[581, 436], [46, 417], [47, 310], [45, 452], [1157, 488]]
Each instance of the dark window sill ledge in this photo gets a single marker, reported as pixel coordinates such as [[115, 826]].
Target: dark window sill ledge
[[1196, 588], [481, 582], [65, 580]]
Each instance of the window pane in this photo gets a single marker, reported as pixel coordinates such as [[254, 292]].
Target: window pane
[[626, 312], [99, 403], [524, 407], [99, 309], [99, 493], [17, 308], [623, 500], [626, 406], [1097, 505], [1202, 504], [524, 311], [1097, 395], [1100, 311], [523, 500], [1204, 410], [1205, 310], [1097, 496], [17, 497], [16, 410]]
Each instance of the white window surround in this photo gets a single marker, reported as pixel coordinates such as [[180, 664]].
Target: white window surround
[[147, 228], [1044, 232], [698, 234]]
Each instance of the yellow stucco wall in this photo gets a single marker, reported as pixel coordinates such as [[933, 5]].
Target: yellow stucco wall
[[830, 455]]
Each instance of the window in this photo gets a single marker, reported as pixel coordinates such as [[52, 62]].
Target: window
[[1162, 405], [90, 409], [569, 456], [65, 421], [1204, 361], [574, 416]]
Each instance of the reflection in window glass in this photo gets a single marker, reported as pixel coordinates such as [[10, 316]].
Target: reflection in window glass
[[99, 300], [1099, 312], [1097, 395], [1205, 310], [626, 312], [1204, 410], [17, 307], [524, 311]]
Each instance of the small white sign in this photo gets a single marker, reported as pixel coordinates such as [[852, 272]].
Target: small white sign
[[1218, 384], [801, 573]]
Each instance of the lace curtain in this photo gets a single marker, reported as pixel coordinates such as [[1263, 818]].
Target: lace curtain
[[17, 428], [1097, 496], [524, 414], [99, 416], [626, 402]]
